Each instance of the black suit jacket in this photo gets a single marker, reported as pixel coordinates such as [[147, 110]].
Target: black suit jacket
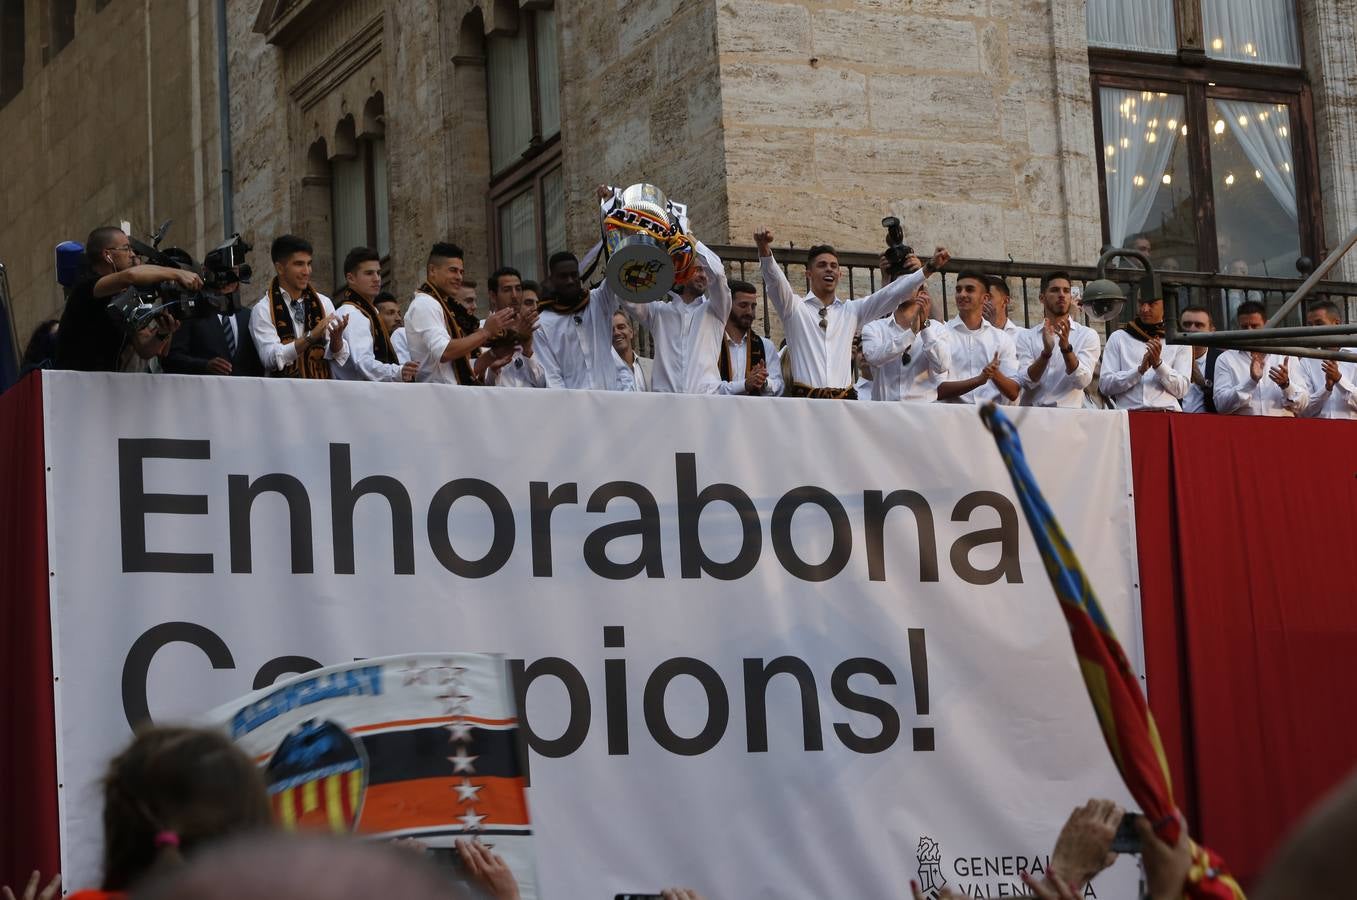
[[199, 341]]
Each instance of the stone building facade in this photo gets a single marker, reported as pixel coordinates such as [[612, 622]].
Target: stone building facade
[[385, 122]]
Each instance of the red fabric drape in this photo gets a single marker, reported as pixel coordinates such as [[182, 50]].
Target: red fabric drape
[[28, 770], [1260, 557]]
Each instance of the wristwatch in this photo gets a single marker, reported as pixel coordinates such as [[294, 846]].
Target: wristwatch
[[1066, 348]]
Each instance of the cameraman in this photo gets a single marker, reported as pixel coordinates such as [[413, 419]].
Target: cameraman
[[90, 338]]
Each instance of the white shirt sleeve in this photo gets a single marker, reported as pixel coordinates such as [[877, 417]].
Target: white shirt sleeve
[[1086, 347], [883, 340], [1233, 387], [775, 386], [341, 356], [1118, 375], [885, 300], [426, 322], [1175, 378], [545, 354], [273, 353], [780, 292], [358, 335], [718, 289]]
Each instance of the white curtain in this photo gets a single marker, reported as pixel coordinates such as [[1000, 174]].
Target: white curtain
[[518, 235], [1252, 31], [1264, 131], [1147, 25], [510, 90], [1140, 130], [548, 72]]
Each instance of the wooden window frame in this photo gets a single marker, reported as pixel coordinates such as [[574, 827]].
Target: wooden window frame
[[1199, 78]]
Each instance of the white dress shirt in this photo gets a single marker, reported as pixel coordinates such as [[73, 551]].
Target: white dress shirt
[[520, 371], [738, 362], [401, 345], [574, 348], [972, 351], [884, 343], [426, 332], [1056, 386], [1236, 393], [865, 389], [823, 357], [1194, 401], [629, 377], [1013, 329], [1162, 387], [1339, 403], [273, 353], [362, 364], [688, 335]]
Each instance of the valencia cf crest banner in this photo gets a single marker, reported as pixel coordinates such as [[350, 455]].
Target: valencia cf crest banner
[[422, 746]]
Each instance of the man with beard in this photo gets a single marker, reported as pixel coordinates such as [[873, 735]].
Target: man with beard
[[1197, 320], [514, 364], [984, 366], [575, 332], [820, 327], [748, 363], [295, 329], [371, 354], [444, 338], [1046, 381], [1139, 370], [1241, 388], [1333, 384]]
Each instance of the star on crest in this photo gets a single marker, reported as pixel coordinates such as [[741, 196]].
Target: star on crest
[[462, 762], [467, 791], [459, 731], [470, 821]]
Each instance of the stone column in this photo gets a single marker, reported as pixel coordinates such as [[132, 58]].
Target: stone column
[[1329, 35]]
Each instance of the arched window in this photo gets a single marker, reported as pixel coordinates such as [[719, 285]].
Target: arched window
[[11, 49], [523, 98], [359, 186]]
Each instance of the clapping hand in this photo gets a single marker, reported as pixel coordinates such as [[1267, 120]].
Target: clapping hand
[[1332, 375], [1256, 363], [1062, 332], [1281, 375], [51, 891], [756, 379], [992, 369], [337, 333], [1048, 336], [1084, 847]]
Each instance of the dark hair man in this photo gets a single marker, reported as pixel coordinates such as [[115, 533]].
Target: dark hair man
[[89, 338], [997, 305], [532, 292], [466, 295], [514, 364], [1048, 379], [908, 352], [819, 326], [1332, 384], [1240, 387], [1139, 370], [372, 357], [444, 338], [1197, 320], [295, 328], [575, 333], [389, 308], [748, 363], [984, 361]]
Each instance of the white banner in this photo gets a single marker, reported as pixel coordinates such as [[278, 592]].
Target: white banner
[[770, 648]]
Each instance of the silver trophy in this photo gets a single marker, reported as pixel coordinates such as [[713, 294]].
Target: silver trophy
[[645, 243]]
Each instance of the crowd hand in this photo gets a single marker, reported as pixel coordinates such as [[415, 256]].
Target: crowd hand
[[322, 328], [1281, 375], [941, 257], [1256, 362], [186, 279], [1084, 847], [154, 339], [1062, 332], [337, 333], [1048, 336], [489, 869], [757, 378], [987, 308], [925, 311], [1331, 374], [527, 323], [1166, 867], [1155, 348], [409, 371], [680, 894], [603, 191], [498, 322], [763, 238], [990, 370], [219, 366], [51, 891]]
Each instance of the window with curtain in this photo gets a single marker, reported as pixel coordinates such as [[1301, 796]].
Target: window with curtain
[[527, 188], [1207, 148], [359, 202]]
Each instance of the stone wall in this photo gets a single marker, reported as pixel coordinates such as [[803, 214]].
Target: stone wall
[[971, 120], [106, 132], [1329, 30]]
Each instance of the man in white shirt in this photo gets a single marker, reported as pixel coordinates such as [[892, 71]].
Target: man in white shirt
[[997, 306], [575, 333], [687, 327], [1240, 387], [295, 328], [1197, 320], [1139, 370], [908, 352], [1332, 384], [513, 363], [747, 363], [984, 366], [633, 370], [371, 355], [1048, 379], [819, 326], [442, 335]]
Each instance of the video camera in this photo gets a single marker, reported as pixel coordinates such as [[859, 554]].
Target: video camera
[[222, 268], [897, 251]]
